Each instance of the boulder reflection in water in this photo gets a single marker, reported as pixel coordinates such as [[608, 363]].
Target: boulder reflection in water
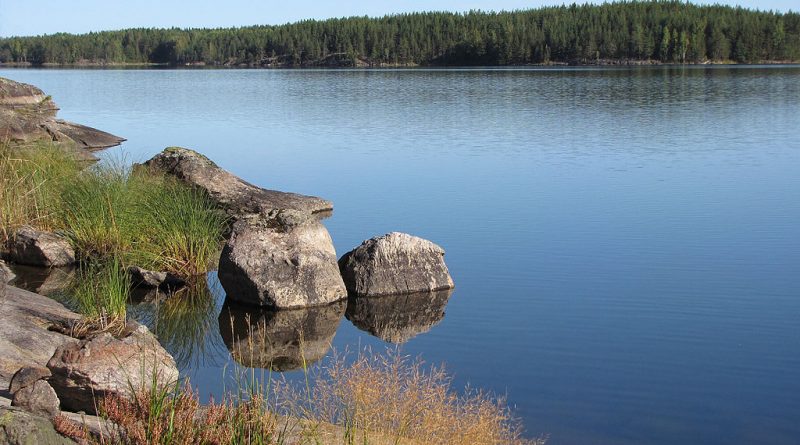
[[398, 318], [280, 340]]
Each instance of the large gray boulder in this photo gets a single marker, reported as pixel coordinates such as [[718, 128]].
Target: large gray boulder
[[398, 318], [86, 372], [282, 340], [37, 248], [396, 263], [281, 267], [27, 115], [240, 199], [277, 254]]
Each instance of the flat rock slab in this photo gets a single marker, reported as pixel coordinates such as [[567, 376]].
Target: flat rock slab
[[24, 336], [37, 248], [27, 114], [395, 263], [86, 372], [240, 199]]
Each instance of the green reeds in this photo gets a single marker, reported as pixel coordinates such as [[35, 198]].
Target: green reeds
[[101, 292], [32, 178]]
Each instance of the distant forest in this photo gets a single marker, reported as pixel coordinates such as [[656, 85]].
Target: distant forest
[[629, 32]]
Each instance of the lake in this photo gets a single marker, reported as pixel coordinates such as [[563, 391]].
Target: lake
[[624, 241]]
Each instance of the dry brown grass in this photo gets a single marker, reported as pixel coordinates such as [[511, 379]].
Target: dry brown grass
[[375, 399], [388, 398]]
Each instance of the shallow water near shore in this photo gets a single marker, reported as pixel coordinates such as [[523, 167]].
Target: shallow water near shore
[[624, 241]]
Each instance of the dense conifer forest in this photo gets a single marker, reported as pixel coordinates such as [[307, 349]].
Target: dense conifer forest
[[628, 32]]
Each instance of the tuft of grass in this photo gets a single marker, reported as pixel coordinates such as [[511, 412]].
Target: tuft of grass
[[148, 220], [180, 229], [101, 292], [389, 399], [97, 213], [32, 178]]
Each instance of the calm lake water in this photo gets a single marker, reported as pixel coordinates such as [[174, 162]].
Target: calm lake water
[[625, 242]]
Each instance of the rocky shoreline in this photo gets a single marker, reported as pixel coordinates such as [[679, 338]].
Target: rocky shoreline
[[277, 256]]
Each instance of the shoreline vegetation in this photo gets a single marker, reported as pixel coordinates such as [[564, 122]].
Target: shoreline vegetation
[[623, 33]]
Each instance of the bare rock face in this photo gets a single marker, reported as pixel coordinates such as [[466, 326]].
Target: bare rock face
[[28, 115], [36, 248], [22, 428], [39, 398], [240, 199], [6, 275], [398, 318], [86, 372], [282, 340], [283, 269], [25, 337], [396, 263]]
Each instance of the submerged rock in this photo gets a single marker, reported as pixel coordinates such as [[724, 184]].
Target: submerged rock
[[27, 115], [150, 279], [37, 248], [281, 340], [395, 263], [269, 267], [47, 281], [38, 398], [398, 318], [86, 372], [240, 199]]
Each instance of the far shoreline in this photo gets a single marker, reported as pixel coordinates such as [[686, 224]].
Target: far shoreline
[[621, 63]]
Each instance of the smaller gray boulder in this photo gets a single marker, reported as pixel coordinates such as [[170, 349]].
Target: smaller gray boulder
[[39, 398], [37, 248], [395, 263]]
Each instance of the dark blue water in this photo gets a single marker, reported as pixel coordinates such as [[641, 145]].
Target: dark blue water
[[625, 242]]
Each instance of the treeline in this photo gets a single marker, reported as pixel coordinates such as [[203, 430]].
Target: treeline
[[665, 31]]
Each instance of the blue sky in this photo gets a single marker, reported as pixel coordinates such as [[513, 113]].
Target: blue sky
[[32, 17]]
